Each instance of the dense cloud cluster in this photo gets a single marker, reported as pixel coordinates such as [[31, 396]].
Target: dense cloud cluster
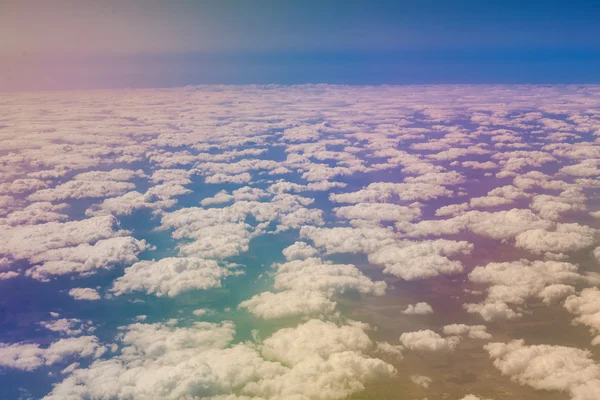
[[280, 212]]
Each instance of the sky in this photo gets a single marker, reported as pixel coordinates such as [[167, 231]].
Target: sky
[[64, 44]]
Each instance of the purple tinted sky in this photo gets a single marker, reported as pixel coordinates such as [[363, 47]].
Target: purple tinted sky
[[67, 44]]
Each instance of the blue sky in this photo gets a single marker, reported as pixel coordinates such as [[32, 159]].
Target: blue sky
[[67, 44]]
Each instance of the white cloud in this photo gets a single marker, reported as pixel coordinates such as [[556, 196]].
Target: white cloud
[[118, 174], [514, 282], [67, 326], [170, 276], [288, 303], [586, 306], [349, 240], [36, 213], [82, 189], [84, 294], [419, 260], [199, 361], [379, 212], [565, 238], [86, 259], [33, 240], [299, 251], [546, 367], [421, 308], [472, 331], [29, 357], [427, 340], [380, 192], [497, 225], [314, 274]]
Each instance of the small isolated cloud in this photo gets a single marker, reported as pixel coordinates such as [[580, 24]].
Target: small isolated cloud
[[428, 341], [421, 308], [84, 294]]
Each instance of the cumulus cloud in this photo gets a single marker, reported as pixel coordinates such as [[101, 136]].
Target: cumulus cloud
[[315, 274], [67, 326], [428, 341], [86, 259], [381, 192], [199, 361], [546, 367], [472, 331], [501, 225], [565, 238], [30, 356], [289, 303], [80, 189], [299, 251], [421, 308], [379, 212], [27, 241], [84, 294], [170, 276], [514, 282], [586, 305], [349, 240], [419, 260]]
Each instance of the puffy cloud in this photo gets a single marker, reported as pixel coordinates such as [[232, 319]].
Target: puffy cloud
[[497, 225], [451, 210], [546, 367], [473, 397], [565, 238], [380, 192], [30, 356], [118, 174], [552, 207], [36, 213], [499, 196], [379, 212], [86, 259], [299, 251], [220, 178], [79, 189], [349, 240], [421, 308], [586, 306], [586, 168], [171, 362], [246, 193], [314, 274], [19, 186], [175, 176], [288, 303], [427, 340], [156, 198], [223, 232], [294, 345], [66, 326], [555, 292], [472, 331], [514, 282], [84, 294], [170, 276], [29, 241], [419, 260]]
